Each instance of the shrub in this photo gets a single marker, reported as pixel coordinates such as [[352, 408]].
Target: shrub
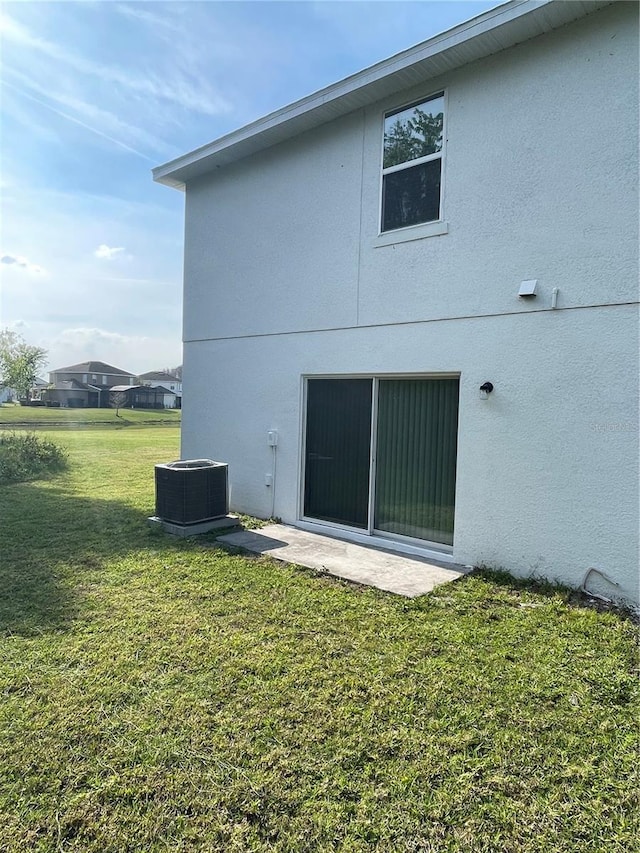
[[25, 456]]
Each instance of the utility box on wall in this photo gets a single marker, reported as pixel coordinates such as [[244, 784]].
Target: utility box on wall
[[191, 491]]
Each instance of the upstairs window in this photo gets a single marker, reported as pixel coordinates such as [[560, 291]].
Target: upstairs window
[[412, 164]]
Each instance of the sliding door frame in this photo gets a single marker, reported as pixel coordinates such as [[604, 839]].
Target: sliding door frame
[[370, 531]]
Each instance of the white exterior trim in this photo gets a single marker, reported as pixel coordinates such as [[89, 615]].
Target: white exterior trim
[[412, 232]]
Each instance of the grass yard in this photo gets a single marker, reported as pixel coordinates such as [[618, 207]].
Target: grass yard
[[30, 417], [164, 695]]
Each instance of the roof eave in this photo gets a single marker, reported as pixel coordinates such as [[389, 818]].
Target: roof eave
[[488, 33]]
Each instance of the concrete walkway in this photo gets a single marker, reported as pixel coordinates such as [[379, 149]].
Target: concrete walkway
[[393, 572]]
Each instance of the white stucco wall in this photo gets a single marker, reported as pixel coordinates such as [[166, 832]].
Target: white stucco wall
[[284, 276]]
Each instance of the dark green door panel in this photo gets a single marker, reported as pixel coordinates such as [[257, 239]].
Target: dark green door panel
[[337, 449]]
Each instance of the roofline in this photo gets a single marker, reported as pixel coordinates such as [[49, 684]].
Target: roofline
[[85, 369], [374, 83]]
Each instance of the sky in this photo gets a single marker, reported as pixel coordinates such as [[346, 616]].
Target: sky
[[93, 95]]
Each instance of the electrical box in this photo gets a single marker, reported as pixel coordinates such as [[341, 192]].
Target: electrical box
[[272, 437]]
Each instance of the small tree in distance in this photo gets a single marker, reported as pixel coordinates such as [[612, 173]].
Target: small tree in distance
[[117, 401], [19, 362]]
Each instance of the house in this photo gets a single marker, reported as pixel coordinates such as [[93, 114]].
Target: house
[[159, 378], [85, 384], [71, 394], [39, 385], [10, 395], [141, 397], [411, 299], [7, 395]]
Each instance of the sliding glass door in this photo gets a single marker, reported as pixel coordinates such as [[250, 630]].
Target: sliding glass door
[[380, 455]]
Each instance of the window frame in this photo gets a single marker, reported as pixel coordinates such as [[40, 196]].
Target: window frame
[[434, 227]]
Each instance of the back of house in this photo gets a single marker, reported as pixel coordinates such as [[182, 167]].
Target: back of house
[[411, 299]]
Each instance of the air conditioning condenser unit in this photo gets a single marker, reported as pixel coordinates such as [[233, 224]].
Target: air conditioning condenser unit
[[192, 491]]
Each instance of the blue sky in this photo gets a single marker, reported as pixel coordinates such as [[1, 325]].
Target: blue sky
[[95, 94]]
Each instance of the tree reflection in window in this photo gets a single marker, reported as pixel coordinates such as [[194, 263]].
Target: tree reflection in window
[[412, 164]]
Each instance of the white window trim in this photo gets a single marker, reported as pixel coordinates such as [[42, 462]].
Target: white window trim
[[438, 226], [411, 232]]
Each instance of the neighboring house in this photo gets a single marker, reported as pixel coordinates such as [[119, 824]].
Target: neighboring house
[[10, 395], [70, 394], [141, 397], [95, 373], [170, 399], [92, 378], [360, 264], [158, 378], [39, 385]]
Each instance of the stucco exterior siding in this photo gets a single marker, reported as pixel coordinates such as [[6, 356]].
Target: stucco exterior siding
[[547, 477], [540, 179], [271, 244], [286, 276]]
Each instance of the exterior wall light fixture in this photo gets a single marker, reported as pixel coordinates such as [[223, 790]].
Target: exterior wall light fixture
[[485, 389]]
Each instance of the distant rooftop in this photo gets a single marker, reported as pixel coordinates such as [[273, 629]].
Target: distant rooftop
[[159, 376], [146, 388], [94, 367]]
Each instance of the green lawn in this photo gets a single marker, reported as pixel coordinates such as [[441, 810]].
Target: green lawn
[[163, 695], [30, 417]]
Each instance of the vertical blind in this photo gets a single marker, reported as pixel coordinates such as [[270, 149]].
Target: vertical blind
[[416, 458]]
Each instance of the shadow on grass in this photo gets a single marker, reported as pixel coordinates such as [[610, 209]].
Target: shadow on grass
[[53, 543]]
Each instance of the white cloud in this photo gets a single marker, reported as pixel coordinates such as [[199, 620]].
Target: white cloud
[[180, 89], [93, 117], [78, 106], [108, 253], [22, 263], [135, 353]]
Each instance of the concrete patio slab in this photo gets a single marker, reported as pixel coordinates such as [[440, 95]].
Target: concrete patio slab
[[393, 572]]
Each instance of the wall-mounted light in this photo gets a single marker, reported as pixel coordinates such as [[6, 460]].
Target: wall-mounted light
[[485, 389]]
